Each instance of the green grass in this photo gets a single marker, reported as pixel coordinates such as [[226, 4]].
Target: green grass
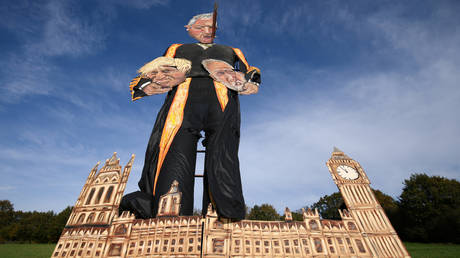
[[419, 250], [416, 250], [26, 250]]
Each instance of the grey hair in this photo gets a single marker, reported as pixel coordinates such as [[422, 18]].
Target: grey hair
[[207, 61], [181, 64], [199, 16]]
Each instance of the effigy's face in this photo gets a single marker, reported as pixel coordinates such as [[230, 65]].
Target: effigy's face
[[224, 73], [201, 30], [166, 76]]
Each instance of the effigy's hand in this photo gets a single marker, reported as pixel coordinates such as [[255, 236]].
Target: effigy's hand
[[153, 89], [249, 88]]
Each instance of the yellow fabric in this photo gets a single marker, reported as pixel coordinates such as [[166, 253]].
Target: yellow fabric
[[172, 50], [172, 124], [132, 84], [243, 59], [221, 92]]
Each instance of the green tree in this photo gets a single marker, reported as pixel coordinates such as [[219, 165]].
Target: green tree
[[263, 212], [430, 209], [6, 218], [296, 216], [329, 205]]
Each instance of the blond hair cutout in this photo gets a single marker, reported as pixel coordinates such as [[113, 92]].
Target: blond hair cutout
[[181, 64]]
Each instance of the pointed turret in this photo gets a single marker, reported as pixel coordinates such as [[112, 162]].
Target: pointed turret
[[124, 178], [113, 160], [131, 161], [338, 154], [112, 164], [287, 215]]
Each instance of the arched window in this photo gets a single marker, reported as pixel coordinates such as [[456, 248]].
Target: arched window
[[351, 226], [90, 196], [173, 206], [108, 195], [90, 218], [360, 246], [115, 249], [101, 217], [318, 245], [163, 205], [72, 217], [120, 230], [313, 225], [81, 218], [99, 195]]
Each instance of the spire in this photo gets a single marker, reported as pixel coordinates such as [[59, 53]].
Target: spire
[[338, 154], [94, 170], [131, 161], [113, 160], [287, 215]]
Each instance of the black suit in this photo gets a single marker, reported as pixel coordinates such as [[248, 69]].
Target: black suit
[[203, 111]]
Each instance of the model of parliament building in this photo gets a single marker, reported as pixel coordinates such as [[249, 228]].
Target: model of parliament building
[[95, 229]]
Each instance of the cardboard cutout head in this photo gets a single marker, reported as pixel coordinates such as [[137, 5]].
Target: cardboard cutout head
[[166, 71], [224, 73], [200, 28]]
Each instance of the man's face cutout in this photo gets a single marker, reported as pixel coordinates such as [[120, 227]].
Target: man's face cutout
[[224, 73], [166, 76], [201, 30]]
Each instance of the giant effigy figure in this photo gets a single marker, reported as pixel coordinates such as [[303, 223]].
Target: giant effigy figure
[[203, 81]]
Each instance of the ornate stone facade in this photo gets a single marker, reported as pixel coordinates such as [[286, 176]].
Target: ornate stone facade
[[95, 229]]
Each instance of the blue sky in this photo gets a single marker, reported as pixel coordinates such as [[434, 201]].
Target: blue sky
[[378, 79]]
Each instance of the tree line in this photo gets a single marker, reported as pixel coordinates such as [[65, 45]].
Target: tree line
[[31, 226], [428, 210]]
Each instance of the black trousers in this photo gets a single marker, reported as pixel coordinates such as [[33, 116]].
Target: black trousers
[[202, 112], [221, 182]]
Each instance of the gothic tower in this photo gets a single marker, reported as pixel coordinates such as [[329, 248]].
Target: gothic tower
[[87, 229], [101, 195], [363, 207]]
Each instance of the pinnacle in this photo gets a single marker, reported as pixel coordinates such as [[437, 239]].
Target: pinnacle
[[131, 160], [113, 159], [336, 150], [338, 154]]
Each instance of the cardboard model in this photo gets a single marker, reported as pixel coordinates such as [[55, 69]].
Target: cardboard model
[[95, 229], [203, 81]]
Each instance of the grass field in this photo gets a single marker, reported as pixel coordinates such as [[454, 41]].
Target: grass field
[[419, 250], [416, 250], [26, 250]]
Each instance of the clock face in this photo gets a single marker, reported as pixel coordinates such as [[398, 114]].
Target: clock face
[[347, 172]]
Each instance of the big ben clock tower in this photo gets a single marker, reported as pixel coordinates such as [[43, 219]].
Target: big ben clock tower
[[374, 225]]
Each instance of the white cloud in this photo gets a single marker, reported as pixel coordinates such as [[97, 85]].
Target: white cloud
[[6, 188], [140, 4], [67, 33], [395, 122], [53, 29]]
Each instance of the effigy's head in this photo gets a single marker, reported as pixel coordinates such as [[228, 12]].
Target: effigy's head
[[200, 28], [224, 73], [166, 71]]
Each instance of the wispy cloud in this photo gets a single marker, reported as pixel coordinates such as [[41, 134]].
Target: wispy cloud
[[394, 121], [56, 31], [67, 33], [53, 29], [141, 4], [6, 188]]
